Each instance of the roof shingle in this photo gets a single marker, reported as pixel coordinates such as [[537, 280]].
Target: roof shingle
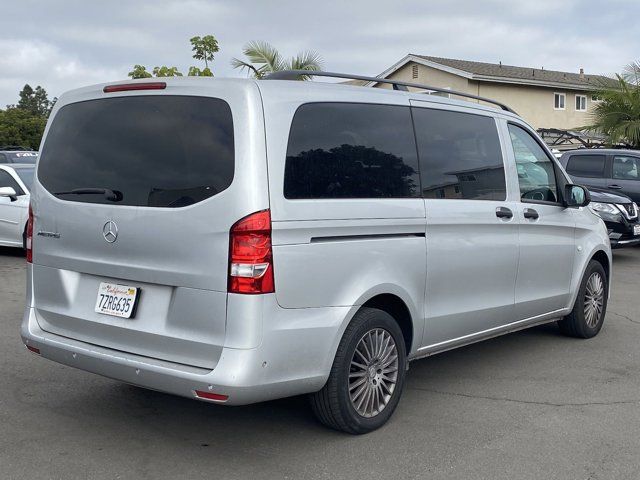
[[524, 74]]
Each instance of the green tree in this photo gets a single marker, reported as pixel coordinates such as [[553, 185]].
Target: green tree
[[36, 102], [617, 115], [204, 48], [139, 71], [18, 126], [263, 58], [166, 71], [196, 72]]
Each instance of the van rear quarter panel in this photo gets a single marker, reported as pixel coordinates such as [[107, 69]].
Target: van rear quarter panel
[[340, 252]]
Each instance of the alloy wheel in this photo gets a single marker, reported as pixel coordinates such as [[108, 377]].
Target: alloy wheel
[[373, 373], [594, 299]]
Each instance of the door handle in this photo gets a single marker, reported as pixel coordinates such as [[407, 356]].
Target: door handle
[[531, 213], [503, 212], [615, 187]]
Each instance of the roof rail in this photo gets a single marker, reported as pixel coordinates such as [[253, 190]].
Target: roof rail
[[397, 84]]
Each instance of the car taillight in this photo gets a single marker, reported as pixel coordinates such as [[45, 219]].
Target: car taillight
[[126, 87], [250, 256], [29, 237]]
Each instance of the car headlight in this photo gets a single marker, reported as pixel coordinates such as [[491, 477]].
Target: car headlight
[[598, 208]]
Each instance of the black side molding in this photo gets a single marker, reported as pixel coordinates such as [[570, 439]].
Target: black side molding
[[373, 236]]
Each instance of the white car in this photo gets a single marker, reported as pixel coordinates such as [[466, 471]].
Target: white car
[[15, 187]]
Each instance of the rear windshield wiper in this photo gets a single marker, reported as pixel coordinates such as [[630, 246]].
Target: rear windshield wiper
[[111, 195]]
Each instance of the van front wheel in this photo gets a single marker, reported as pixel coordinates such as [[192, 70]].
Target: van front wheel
[[367, 375], [587, 316]]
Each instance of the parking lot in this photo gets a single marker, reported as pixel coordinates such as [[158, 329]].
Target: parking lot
[[528, 405]]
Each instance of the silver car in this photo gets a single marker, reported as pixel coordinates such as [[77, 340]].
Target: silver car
[[235, 241]]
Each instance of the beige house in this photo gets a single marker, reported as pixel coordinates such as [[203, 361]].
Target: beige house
[[544, 98]]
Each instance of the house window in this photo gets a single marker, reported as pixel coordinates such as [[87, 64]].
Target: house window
[[596, 98], [558, 101], [414, 71], [581, 103]]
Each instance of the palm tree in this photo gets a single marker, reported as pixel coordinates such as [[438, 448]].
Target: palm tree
[[617, 115], [263, 58]]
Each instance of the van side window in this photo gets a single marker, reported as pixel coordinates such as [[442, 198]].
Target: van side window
[[626, 168], [348, 150], [586, 166], [536, 173], [460, 155]]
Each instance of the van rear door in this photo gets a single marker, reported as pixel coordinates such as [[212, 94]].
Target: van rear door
[[138, 190]]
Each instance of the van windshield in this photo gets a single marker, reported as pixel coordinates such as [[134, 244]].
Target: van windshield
[[153, 151]]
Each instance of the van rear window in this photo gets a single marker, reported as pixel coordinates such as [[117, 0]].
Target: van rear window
[[149, 151]]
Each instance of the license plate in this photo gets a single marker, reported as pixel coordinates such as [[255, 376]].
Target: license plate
[[117, 300], [636, 229]]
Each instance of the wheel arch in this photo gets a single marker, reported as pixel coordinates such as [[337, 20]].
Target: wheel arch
[[398, 303], [604, 260], [599, 254], [398, 309]]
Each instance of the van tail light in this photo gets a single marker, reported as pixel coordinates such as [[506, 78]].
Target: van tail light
[[250, 255], [126, 87], [29, 236]]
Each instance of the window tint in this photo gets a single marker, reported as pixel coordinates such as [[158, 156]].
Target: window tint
[[7, 180], [626, 168], [155, 151], [343, 150], [536, 174], [460, 155], [586, 166], [3, 158]]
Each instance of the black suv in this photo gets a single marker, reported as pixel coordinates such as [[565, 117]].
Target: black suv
[[609, 169], [16, 154], [620, 215]]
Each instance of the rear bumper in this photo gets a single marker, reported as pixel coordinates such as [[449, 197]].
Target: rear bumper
[[281, 366]]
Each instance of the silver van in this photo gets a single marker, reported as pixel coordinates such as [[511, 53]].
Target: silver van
[[235, 241]]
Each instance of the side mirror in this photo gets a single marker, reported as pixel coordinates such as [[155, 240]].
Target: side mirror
[[576, 196], [8, 192]]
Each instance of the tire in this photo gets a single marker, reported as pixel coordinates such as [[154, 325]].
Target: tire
[[594, 288], [333, 405]]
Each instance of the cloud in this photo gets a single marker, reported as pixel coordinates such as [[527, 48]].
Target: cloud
[[40, 63], [69, 43]]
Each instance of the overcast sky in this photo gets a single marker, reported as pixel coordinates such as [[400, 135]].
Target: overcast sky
[[63, 44]]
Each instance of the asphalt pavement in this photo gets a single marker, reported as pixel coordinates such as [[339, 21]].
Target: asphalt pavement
[[530, 405]]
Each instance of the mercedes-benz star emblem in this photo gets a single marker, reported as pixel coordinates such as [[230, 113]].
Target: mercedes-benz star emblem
[[110, 231]]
